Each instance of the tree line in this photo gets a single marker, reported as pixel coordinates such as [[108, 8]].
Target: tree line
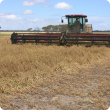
[[58, 28]]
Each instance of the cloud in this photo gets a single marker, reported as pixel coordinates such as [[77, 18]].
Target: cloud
[[98, 22], [63, 5], [108, 1], [1, 1], [10, 17], [99, 25], [13, 22], [27, 12], [4, 16], [28, 3], [46, 6], [33, 2]]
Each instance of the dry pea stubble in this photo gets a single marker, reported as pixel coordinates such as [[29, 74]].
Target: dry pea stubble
[[64, 70]]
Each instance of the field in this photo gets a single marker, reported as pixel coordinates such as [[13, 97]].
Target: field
[[52, 77]]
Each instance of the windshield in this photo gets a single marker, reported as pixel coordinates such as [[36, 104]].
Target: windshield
[[72, 21]]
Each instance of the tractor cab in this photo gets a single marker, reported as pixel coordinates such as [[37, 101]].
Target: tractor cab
[[76, 23]]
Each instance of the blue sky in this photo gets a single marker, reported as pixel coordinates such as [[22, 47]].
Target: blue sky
[[24, 14]]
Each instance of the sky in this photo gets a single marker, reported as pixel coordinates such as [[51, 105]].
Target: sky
[[24, 14]]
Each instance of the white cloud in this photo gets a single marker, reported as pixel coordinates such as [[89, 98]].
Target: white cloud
[[99, 25], [33, 2], [27, 12], [63, 5], [108, 1], [1, 1], [102, 27], [28, 3], [99, 22], [4, 16], [46, 6], [11, 16], [13, 22]]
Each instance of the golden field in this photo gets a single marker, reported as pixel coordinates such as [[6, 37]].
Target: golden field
[[52, 77]]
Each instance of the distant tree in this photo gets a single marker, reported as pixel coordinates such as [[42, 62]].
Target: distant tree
[[55, 28], [47, 28], [30, 29], [63, 27], [44, 28], [36, 29]]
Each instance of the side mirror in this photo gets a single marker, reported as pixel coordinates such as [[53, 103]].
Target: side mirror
[[86, 20], [62, 20]]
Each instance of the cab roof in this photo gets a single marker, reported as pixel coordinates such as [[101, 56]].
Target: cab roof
[[76, 15]]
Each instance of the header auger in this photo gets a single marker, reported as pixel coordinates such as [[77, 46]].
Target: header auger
[[76, 32]]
